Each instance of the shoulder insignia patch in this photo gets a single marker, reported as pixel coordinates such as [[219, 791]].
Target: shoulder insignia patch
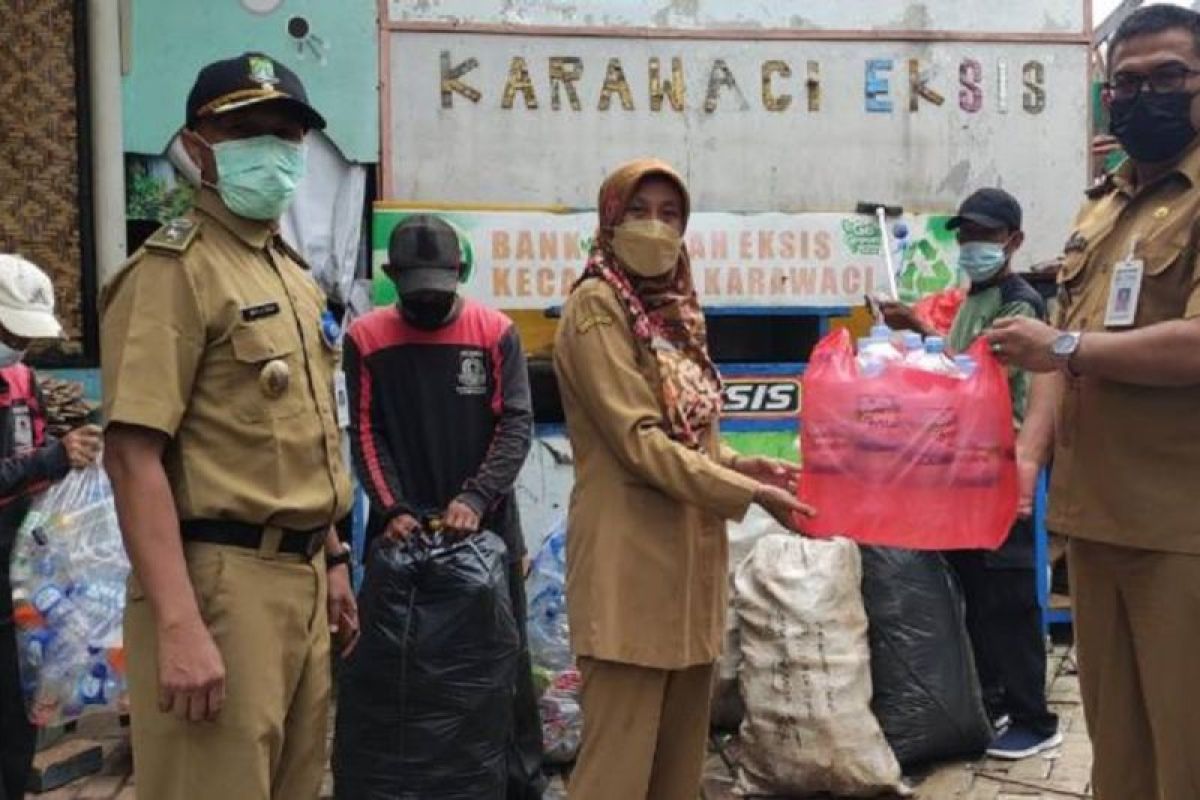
[[1103, 185], [1076, 243], [588, 323], [175, 237]]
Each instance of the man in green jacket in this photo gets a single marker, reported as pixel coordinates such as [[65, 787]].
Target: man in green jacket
[[1001, 586]]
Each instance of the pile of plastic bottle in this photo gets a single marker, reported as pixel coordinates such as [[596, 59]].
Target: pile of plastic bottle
[[549, 637], [550, 649], [562, 719], [884, 347], [69, 570]]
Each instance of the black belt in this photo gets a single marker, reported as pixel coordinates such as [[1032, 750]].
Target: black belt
[[243, 534]]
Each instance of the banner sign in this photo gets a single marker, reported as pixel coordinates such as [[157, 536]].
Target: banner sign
[[761, 397], [529, 260]]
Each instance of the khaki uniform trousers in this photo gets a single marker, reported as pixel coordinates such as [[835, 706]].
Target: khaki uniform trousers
[[1137, 630], [267, 614], [644, 732]]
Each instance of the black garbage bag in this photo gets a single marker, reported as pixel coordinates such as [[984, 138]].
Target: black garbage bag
[[926, 690], [425, 701]]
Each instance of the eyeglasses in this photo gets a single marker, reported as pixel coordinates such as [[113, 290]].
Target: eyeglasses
[[1164, 80]]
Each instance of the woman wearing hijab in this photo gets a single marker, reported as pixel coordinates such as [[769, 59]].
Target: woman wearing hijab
[[647, 551]]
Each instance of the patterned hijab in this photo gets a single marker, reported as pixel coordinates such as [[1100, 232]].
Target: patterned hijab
[[664, 312]]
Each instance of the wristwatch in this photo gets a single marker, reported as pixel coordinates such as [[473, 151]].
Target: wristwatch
[[337, 559], [1064, 349]]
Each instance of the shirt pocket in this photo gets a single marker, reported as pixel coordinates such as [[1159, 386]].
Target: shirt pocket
[[1167, 276], [254, 346]]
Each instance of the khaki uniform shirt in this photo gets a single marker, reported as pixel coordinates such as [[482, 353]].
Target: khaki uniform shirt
[[186, 337], [1127, 457], [647, 548]]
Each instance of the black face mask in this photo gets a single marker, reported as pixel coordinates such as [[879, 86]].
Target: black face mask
[[428, 309], [1153, 128]]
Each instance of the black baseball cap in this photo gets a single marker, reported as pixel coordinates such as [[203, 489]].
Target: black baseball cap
[[990, 208], [424, 255], [247, 80]]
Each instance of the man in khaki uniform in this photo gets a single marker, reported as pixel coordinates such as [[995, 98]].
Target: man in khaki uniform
[[1122, 374], [223, 444]]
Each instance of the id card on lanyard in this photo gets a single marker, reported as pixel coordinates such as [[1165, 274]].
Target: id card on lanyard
[[22, 428], [1124, 291]]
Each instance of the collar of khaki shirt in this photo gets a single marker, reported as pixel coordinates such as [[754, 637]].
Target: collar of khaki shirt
[[255, 233], [1188, 168]]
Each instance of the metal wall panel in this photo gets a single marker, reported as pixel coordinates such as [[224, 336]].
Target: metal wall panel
[[742, 147], [1048, 16]]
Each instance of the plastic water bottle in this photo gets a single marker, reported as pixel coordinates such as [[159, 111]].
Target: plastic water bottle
[[934, 358], [868, 366], [877, 351], [966, 365], [912, 346], [882, 333]]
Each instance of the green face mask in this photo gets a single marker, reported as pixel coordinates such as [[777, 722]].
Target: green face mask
[[257, 177]]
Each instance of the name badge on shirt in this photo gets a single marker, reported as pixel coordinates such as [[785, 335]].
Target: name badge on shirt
[[22, 424], [1123, 294], [262, 311], [341, 399]]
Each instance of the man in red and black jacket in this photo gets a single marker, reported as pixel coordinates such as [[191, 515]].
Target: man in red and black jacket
[[441, 423], [29, 460]]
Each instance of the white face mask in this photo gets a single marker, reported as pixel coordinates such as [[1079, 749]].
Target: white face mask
[[8, 356]]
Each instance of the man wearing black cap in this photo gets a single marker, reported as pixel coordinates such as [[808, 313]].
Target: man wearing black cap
[[441, 423], [224, 447], [1000, 587]]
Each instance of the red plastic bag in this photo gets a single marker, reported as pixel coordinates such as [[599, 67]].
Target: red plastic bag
[[939, 309], [908, 458]]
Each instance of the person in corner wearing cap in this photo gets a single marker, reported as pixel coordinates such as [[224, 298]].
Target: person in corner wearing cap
[[29, 460], [223, 445], [441, 424], [1000, 587]]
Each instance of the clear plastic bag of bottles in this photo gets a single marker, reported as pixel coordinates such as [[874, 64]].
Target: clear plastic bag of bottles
[[549, 637], [562, 719], [550, 648], [68, 575]]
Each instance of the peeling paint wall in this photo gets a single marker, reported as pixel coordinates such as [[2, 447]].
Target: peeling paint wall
[[1043, 16]]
